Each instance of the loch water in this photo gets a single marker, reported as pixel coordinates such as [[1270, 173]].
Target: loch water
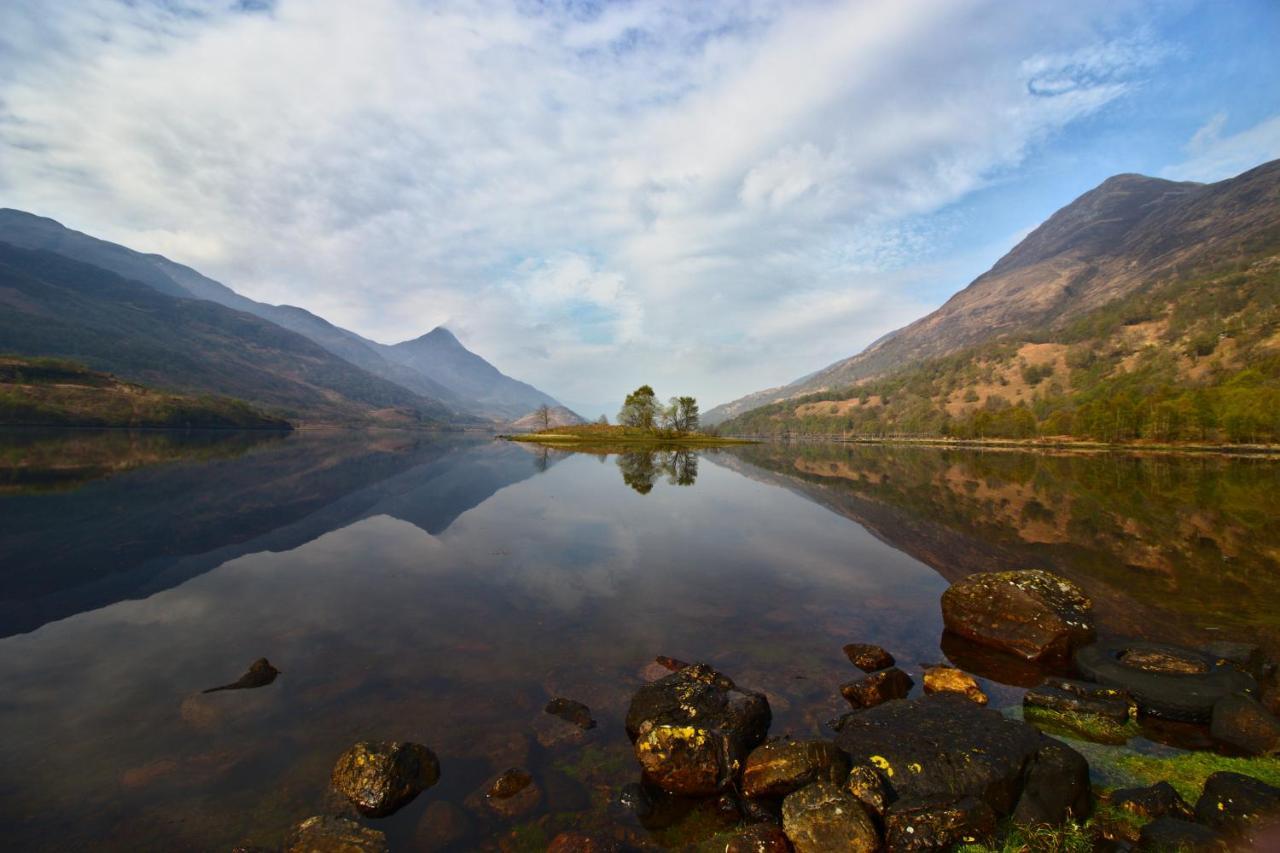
[[441, 589]]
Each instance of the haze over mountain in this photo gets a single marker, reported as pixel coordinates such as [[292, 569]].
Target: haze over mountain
[[1138, 276], [441, 378]]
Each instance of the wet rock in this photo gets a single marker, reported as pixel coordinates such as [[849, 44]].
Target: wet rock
[[1171, 834], [762, 811], [633, 799], [868, 787], [580, 842], [327, 834], [693, 730], [948, 679], [760, 838], [512, 794], [260, 674], [1055, 788], [1165, 681], [441, 825], [1247, 657], [1238, 805], [868, 657], [1242, 722], [825, 817], [877, 688], [932, 823], [1151, 802], [670, 664], [572, 712], [996, 665], [553, 733], [1064, 702], [380, 777], [946, 745], [1032, 614], [777, 768]]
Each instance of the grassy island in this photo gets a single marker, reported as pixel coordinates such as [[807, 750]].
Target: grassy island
[[611, 434]]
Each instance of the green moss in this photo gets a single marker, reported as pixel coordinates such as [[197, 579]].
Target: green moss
[[598, 764], [1188, 771], [1088, 726]]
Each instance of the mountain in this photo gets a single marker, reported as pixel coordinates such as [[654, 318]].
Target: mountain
[[1143, 285], [439, 355], [451, 382], [50, 392], [51, 305], [557, 416]]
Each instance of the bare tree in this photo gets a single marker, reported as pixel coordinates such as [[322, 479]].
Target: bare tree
[[542, 415]]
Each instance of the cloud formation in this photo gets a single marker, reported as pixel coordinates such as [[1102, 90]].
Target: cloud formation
[[711, 197]]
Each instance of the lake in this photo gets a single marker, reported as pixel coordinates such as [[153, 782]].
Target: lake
[[442, 589]]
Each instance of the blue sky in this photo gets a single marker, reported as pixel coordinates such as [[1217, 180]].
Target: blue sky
[[710, 197]]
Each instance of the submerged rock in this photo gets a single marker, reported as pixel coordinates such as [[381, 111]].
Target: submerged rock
[[777, 768], [380, 777], [932, 823], [877, 688], [1064, 702], [948, 679], [824, 817], [868, 657], [571, 712], [328, 834], [1033, 614], [580, 842], [1242, 722], [260, 674], [512, 794], [760, 838], [1238, 805], [945, 745], [441, 825], [693, 730]]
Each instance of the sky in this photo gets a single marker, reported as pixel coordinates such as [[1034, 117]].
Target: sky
[[711, 197]]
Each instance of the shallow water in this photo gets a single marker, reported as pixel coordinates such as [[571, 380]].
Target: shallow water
[[441, 590]]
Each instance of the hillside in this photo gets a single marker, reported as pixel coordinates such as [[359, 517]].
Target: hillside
[[53, 306], [1144, 309], [49, 392], [441, 370], [487, 390], [557, 416]]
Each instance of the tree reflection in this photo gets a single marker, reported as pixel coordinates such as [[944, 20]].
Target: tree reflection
[[641, 469]]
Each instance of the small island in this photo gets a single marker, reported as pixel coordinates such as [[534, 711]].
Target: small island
[[642, 421]]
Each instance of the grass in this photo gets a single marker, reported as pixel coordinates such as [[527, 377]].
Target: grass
[[1187, 772], [1070, 837], [1088, 726], [610, 435]]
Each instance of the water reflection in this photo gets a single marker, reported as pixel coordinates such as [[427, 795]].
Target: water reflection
[[641, 469]]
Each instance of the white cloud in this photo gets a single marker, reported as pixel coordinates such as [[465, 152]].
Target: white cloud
[[1215, 157], [591, 197]]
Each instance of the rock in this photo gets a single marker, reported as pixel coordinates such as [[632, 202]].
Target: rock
[[1055, 788], [762, 811], [571, 712], [946, 745], [1242, 722], [877, 688], [825, 817], [380, 777], [760, 838], [634, 800], [441, 825], [578, 842], [1064, 702], [512, 794], [1033, 614], [1238, 805], [777, 768], [327, 834], [1165, 681], [868, 657], [1149, 803], [1247, 657], [868, 787], [1171, 834], [553, 733], [693, 729], [931, 823], [260, 674], [948, 679], [670, 664]]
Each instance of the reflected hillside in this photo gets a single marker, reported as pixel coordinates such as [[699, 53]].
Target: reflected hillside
[[152, 528], [1187, 544]]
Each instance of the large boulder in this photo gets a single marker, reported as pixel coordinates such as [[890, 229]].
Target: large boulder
[[825, 817], [380, 777], [1239, 805], [1172, 834], [1032, 614], [934, 823], [779, 767], [1242, 722], [944, 745], [693, 729]]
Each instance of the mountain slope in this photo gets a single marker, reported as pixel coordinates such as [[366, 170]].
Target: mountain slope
[[557, 416], [440, 356], [1132, 241], [51, 305]]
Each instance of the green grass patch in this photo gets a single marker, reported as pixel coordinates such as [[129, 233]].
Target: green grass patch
[[1070, 837], [1088, 726], [1188, 771]]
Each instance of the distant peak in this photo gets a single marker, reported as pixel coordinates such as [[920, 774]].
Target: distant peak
[[441, 333]]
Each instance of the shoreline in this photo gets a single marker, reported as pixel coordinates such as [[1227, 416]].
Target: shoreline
[[1082, 446]]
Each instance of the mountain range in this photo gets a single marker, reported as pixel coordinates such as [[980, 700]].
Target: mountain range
[[148, 319], [1139, 294]]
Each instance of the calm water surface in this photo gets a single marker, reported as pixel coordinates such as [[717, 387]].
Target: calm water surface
[[442, 590]]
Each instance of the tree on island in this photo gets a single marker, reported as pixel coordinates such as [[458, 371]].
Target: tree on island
[[542, 416], [640, 409], [684, 414]]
